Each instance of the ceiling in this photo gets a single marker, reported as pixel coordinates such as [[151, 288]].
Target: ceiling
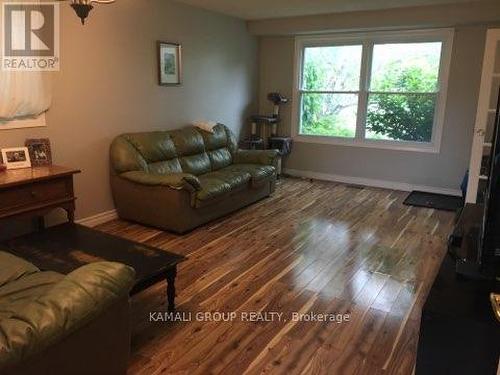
[[262, 9]]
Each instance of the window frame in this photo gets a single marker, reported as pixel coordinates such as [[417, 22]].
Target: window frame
[[368, 40]]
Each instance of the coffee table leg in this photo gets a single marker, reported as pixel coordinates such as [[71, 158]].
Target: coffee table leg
[[171, 274]]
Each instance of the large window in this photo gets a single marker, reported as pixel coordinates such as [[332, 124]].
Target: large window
[[379, 90]]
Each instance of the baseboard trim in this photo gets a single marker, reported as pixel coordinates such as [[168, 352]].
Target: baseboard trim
[[98, 219], [371, 182]]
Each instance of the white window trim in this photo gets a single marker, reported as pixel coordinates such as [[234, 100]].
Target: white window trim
[[443, 35], [36, 122]]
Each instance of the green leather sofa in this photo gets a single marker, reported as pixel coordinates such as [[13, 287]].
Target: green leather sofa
[[56, 324], [177, 180]]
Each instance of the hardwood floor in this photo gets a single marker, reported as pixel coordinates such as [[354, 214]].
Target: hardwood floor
[[315, 247]]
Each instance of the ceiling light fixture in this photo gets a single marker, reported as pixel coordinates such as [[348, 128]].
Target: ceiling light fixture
[[83, 7]]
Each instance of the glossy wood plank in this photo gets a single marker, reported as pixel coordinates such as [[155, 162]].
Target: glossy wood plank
[[312, 247]]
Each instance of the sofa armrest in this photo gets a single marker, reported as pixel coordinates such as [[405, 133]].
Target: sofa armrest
[[176, 181], [263, 157], [76, 300]]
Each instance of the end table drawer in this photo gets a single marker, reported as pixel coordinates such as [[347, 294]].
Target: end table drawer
[[31, 193], [39, 192]]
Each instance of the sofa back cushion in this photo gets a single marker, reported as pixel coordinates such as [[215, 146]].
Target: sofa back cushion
[[148, 151], [191, 151], [165, 167], [124, 157], [153, 146], [188, 150], [218, 147]]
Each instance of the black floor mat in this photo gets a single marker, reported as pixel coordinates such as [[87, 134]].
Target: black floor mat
[[436, 201]]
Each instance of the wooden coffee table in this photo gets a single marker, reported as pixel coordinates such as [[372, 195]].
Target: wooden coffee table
[[66, 247]]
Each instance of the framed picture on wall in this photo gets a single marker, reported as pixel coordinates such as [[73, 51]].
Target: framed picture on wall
[[169, 64]]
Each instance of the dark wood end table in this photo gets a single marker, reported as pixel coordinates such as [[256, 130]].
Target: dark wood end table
[[66, 247], [33, 192]]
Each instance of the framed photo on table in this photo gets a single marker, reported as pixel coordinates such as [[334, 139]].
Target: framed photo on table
[[40, 152], [169, 64], [16, 157]]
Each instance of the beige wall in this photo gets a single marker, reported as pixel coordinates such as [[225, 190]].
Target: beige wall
[[444, 170], [108, 83]]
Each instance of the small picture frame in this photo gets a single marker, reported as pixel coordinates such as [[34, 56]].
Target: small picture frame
[[16, 157], [40, 151], [169, 64]]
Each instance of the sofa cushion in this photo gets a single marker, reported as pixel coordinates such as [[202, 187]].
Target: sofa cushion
[[125, 157], [215, 140], [13, 268], [191, 151], [195, 164], [164, 167], [176, 181], [212, 188], [260, 157], [258, 173], [153, 146], [235, 179], [187, 141], [219, 146], [217, 184], [220, 158]]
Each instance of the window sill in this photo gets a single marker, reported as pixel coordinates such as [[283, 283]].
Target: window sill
[[24, 123], [384, 145]]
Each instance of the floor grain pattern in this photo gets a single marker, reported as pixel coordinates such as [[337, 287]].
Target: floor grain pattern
[[313, 246]]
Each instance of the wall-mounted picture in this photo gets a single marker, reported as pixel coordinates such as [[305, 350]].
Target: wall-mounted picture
[[16, 157], [40, 152], [169, 63]]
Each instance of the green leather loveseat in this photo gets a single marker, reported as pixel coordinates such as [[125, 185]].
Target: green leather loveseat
[[179, 179], [56, 324]]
